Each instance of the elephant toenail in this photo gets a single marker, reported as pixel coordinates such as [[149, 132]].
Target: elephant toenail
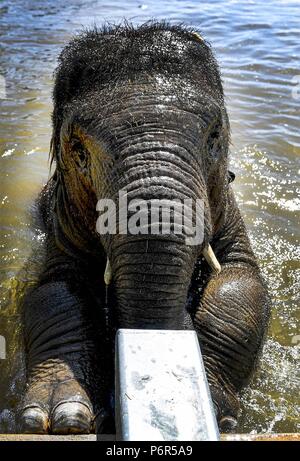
[[71, 418], [33, 420], [227, 423]]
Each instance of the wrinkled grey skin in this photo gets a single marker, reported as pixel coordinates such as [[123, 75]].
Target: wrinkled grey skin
[[140, 109]]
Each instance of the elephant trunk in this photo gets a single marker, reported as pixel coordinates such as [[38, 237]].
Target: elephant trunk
[[151, 278], [152, 271]]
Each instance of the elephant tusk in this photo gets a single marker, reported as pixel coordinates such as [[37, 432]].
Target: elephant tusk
[[198, 36], [107, 273], [211, 259]]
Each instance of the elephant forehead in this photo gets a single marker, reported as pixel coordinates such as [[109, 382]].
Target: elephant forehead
[[138, 103], [95, 59]]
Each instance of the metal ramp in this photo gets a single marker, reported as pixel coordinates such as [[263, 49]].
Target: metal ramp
[[161, 387]]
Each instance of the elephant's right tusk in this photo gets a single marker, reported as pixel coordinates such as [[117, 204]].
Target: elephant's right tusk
[[211, 259], [107, 273]]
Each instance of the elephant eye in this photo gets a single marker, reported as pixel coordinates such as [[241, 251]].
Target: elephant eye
[[79, 154], [214, 141]]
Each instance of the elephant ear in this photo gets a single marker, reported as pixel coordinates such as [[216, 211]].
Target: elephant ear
[[231, 176]]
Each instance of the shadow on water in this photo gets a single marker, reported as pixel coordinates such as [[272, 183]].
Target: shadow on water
[[258, 46]]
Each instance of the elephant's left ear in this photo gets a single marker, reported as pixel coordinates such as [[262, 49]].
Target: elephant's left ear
[[231, 176]]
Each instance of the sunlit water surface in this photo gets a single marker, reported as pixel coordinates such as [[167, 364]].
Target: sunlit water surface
[[258, 48]]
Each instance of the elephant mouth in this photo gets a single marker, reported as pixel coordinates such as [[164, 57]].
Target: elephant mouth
[[159, 294]]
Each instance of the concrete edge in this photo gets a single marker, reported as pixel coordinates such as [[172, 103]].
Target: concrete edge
[[285, 437]]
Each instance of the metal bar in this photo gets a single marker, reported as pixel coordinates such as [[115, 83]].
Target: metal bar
[[161, 387]]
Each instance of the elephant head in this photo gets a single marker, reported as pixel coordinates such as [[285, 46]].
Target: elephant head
[[142, 111]]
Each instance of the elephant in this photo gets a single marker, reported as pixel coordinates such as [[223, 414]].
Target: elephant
[[141, 109]]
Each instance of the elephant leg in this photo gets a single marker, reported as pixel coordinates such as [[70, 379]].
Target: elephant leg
[[66, 383], [230, 325], [231, 318]]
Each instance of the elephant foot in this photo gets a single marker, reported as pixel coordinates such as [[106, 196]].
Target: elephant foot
[[226, 407], [227, 424], [57, 403], [67, 418]]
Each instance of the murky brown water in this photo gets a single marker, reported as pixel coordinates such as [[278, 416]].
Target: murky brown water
[[258, 47]]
